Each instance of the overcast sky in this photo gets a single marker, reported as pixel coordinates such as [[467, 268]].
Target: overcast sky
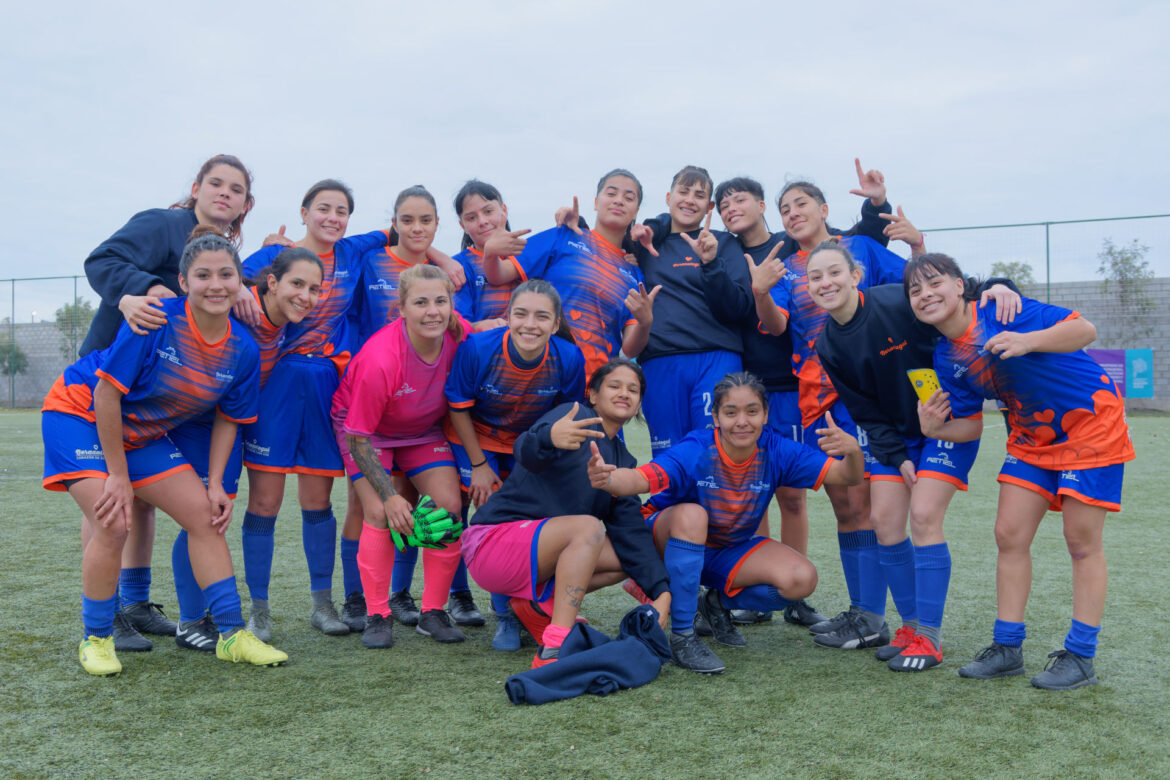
[[978, 114]]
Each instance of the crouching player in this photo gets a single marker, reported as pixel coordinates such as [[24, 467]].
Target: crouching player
[[711, 492]]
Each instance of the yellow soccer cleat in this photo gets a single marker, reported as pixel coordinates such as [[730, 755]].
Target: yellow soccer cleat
[[97, 656], [244, 647]]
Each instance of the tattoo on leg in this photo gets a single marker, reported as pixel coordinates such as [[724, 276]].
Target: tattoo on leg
[[574, 596]]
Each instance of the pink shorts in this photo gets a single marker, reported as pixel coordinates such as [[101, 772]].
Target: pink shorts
[[409, 459], [502, 558]]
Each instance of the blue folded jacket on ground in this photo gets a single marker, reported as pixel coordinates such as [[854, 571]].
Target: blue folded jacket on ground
[[591, 662]]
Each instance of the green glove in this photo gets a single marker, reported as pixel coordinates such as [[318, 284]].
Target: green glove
[[434, 527]]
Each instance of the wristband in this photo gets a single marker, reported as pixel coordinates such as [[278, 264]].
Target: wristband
[[921, 243], [481, 463]]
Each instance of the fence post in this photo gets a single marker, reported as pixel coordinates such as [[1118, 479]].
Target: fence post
[[1047, 266], [12, 349]]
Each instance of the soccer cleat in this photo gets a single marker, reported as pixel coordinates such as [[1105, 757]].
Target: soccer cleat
[[325, 619], [857, 633], [801, 613], [832, 624], [542, 657], [378, 633], [403, 609], [993, 661], [148, 618], [353, 612], [1065, 671], [719, 619], [631, 587], [260, 623], [244, 647], [902, 638], [126, 636], [436, 624], [748, 617], [702, 628], [463, 609], [199, 634], [919, 655], [97, 656], [507, 636], [689, 652]]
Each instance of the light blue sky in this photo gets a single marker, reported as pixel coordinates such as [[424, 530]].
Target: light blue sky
[[997, 112]]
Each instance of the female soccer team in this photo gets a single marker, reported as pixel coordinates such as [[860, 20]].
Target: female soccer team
[[494, 379]]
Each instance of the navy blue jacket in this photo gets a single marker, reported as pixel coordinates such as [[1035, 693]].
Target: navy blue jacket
[[143, 253]]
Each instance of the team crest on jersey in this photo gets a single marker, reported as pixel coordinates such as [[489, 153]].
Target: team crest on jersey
[[960, 370], [170, 355]]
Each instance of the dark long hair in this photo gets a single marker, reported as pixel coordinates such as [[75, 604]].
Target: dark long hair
[[235, 228]]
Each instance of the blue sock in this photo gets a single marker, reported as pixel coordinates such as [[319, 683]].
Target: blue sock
[[932, 568], [258, 536], [761, 598], [223, 600], [850, 544], [403, 572], [350, 575], [1082, 639], [871, 575], [1009, 634], [134, 585], [684, 564], [897, 562], [319, 537], [98, 616], [459, 582], [187, 590], [499, 604]]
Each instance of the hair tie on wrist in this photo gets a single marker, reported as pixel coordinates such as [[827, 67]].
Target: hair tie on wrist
[[481, 463]]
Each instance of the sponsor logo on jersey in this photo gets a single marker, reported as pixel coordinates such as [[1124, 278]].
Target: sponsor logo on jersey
[[224, 376], [708, 482], [1071, 476], [94, 454], [1011, 459], [759, 487], [170, 355], [406, 389], [894, 348], [254, 448], [581, 247], [941, 459], [960, 370], [382, 284]]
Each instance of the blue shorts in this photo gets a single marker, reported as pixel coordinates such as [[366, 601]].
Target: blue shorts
[[193, 438], [1096, 487], [784, 414], [294, 434], [947, 461], [502, 463], [678, 393], [721, 564], [73, 451], [844, 420]]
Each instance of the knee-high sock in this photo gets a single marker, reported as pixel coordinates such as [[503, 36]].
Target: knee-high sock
[[223, 601], [134, 585], [850, 545], [684, 564], [761, 598], [897, 561], [873, 579], [932, 571], [404, 562], [460, 583], [375, 559], [350, 576], [258, 536], [438, 568], [97, 615], [319, 537], [192, 604]]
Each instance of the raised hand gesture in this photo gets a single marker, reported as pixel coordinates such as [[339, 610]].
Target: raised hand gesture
[[706, 246], [505, 243], [770, 270], [642, 234], [278, 239], [901, 229], [641, 303], [834, 440], [870, 184], [600, 472], [569, 217], [568, 433]]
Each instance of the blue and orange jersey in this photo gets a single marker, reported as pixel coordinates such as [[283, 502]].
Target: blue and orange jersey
[[735, 495], [166, 377], [1064, 411], [806, 320], [479, 299], [504, 395], [269, 339], [327, 330], [378, 299], [593, 278]]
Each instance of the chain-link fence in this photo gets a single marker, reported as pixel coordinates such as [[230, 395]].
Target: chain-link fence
[[48, 317]]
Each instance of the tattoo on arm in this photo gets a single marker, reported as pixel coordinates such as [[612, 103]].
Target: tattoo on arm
[[574, 596], [366, 459]]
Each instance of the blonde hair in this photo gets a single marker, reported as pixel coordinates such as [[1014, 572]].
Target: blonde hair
[[426, 272]]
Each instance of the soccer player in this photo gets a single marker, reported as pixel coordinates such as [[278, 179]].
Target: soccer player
[[133, 271], [481, 211], [805, 215], [387, 415], [294, 434], [547, 535], [869, 343], [105, 425], [1068, 443], [711, 490]]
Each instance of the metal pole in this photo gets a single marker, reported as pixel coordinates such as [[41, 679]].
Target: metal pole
[[12, 350], [1047, 265], [73, 329]]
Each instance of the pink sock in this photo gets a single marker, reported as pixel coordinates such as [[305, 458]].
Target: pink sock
[[438, 570], [554, 635], [375, 560]]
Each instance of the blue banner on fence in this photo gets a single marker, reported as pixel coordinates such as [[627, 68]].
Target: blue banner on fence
[[1132, 370]]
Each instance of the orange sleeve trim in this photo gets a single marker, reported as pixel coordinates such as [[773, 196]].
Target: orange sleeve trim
[[516, 264], [655, 475], [121, 388], [941, 477], [461, 405], [238, 421], [824, 472]]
